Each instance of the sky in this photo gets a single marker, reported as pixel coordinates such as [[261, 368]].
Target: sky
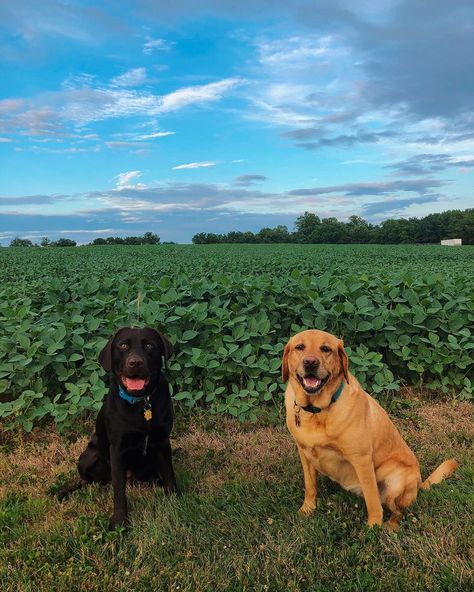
[[118, 118]]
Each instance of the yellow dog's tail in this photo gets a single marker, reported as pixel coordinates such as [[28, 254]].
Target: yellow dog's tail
[[444, 470]]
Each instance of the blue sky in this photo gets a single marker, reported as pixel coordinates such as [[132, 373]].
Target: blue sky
[[118, 118]]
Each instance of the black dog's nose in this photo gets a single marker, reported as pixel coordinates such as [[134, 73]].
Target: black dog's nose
[[134, 362], [311, 362]]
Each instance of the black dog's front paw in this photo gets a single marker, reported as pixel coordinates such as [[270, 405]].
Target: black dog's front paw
[[118, 521], [171, 489]]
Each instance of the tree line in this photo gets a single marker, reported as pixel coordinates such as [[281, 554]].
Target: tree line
[[310, 228], [149, 238]]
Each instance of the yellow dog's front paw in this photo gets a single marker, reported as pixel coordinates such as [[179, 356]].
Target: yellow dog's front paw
[[307, 509], [375, 521]]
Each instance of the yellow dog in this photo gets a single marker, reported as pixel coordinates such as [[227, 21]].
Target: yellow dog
[[343, 433]]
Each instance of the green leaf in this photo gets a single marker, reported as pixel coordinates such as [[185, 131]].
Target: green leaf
[[75, 357]]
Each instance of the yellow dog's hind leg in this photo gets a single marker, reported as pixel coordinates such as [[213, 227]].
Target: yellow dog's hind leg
[[401, 502]]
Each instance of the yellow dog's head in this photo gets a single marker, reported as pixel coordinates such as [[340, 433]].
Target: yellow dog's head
[[313, 359]]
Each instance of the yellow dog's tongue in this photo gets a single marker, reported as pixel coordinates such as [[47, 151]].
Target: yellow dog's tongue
[[133, 384]]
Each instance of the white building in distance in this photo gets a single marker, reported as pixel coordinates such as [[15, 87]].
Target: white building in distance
[[452, 242]]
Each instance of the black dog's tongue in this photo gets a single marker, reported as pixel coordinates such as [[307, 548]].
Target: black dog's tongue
[[133, 384]]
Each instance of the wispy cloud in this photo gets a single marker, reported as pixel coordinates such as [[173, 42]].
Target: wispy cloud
[[133, 77], [246, 180], [124, 181], [394, 206], [155, 135], [151, 45], [420, 186], [346, 140], [195, 165], [296, 51], [427, 164], [197, 95]]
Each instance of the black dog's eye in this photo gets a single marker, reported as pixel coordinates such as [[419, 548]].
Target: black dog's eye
[[124, 346], [300, 346], [325, 349], [148, 346]]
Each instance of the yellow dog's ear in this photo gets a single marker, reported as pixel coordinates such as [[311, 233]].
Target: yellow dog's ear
[[343, 359], [285, 371]]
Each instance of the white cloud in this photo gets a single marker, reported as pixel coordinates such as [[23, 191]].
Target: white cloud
[[4, 140], [133, 77], [195, 165], [191, 95], [124, 181], [155, 135], [295, 51], [87, 231], [154, 44]]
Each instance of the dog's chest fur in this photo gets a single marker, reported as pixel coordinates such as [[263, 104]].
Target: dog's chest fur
[[313, 437]]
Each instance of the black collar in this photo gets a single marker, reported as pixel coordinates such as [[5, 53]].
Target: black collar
[[312, 409]]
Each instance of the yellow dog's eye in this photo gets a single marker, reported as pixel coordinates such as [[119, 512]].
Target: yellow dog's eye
[[300, 346], [325, 349]]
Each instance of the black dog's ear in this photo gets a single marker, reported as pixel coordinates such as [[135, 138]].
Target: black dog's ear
[[167, 346], [105, 356]]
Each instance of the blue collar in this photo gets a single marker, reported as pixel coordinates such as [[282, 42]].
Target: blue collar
[[126, 397]]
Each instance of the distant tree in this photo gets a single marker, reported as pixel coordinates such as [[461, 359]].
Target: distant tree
[[21, 242], [279, 234], [236, 237], [306, 227], [45, 242], [357, 230], [64, 242], [207, 238], [460, 224], [99, 241], [149, 238], [331, 231], [131, 240], [199, 238]]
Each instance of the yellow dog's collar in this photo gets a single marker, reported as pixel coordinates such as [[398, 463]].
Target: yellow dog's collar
[[313, 409]]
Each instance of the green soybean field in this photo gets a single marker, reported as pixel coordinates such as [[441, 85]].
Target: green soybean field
[[406, 314]]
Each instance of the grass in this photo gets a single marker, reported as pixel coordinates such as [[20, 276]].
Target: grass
[[235, 526]]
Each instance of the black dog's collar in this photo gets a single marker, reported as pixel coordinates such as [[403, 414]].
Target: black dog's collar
[[129, 398], [312, 409]]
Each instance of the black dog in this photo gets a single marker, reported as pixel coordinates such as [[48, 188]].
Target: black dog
[[134, 424]]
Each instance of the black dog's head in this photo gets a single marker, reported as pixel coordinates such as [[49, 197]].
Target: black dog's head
[[134, 356]]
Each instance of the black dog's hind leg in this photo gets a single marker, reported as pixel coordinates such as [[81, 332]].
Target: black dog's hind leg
[[165, 468], [119, 516], [92, 468]]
